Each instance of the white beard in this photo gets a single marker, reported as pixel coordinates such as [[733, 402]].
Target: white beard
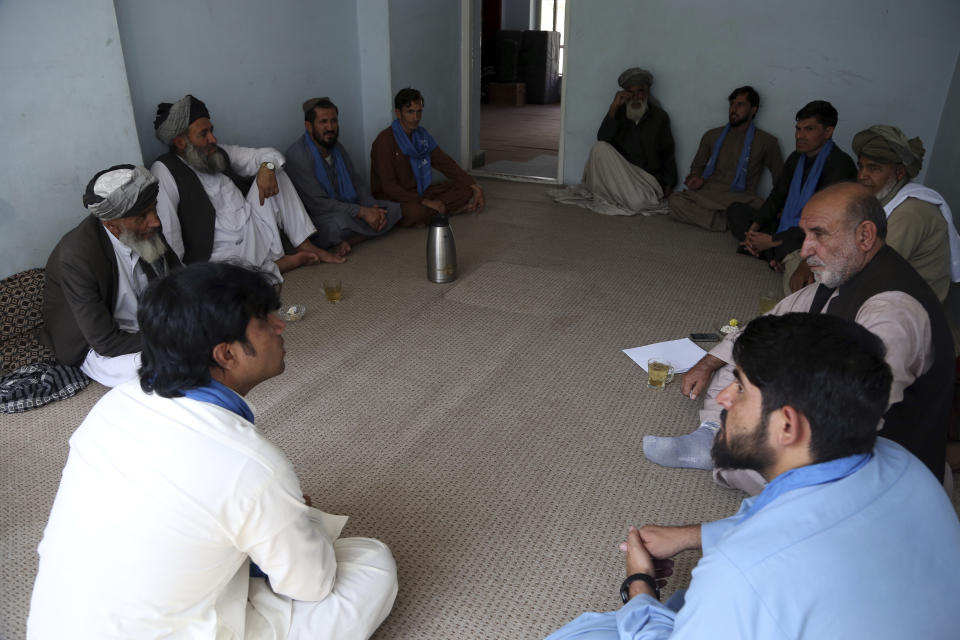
[[150, 250], [635, 113]]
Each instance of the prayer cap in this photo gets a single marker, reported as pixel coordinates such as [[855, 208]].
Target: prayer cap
[[634, 76], [120, 192], [888, 145], [173, 119]]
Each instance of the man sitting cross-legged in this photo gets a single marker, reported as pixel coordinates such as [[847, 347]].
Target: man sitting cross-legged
[[206, 216], [851, 538], [337, 198], [631, 168], [401, 161], [728, 166], [170, 492], [860, 279], [771, 232], [97, 272]]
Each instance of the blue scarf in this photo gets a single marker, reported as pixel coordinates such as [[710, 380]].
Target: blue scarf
[[222, 396], [740, 178], [807, 476], [800, 193], [417, 147], [345, 191]]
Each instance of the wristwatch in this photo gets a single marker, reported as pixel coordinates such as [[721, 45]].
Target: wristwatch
[[270, 166], [625, 587]]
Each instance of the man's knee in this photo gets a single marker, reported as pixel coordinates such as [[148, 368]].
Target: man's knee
[[603, 150], [367, 560], [739, 218], [415, 213]]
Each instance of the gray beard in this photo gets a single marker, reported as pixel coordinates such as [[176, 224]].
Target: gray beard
[[203, 163], [150, 250], [888, 190], [635, 113], [831, 278]]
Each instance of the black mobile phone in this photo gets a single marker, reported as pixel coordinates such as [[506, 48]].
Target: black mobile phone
[[705, 337]]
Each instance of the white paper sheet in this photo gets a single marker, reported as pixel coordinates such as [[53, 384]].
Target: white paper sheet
[[682, 354]]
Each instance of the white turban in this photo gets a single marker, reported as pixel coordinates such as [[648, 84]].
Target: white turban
[[120, 191]]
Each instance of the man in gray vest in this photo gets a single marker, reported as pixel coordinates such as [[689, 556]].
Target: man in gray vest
[[204, 212], [858, 278]]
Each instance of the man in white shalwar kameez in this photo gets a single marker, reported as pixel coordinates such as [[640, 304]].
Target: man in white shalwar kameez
[[170, 493], [204, 213]]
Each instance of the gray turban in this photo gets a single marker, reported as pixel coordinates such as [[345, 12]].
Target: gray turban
[[888, 145], [173, 118], [120, 192], [634, 76]]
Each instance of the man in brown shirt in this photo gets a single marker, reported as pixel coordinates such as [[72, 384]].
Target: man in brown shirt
[[403, 157], [728, 166]]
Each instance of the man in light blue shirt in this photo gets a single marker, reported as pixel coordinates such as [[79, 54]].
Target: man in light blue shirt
[[852, 536]]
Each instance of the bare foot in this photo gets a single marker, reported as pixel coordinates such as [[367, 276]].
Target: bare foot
[[342, 249], [298, 259], [322, 254], [332, 258]]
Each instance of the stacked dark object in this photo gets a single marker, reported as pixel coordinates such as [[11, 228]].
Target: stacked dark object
[[530, 57]]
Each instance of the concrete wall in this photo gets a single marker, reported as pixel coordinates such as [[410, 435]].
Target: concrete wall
[[888, 62], [65, 114], [252, 63], [373, 21], [425, 54], [943, 172]]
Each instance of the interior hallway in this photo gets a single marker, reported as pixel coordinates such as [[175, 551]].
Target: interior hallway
[[521, 140]]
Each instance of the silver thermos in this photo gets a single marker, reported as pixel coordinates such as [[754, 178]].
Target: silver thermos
[[441, 251]]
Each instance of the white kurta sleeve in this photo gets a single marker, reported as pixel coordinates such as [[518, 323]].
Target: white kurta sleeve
[[287, 544], [168, 199], [246, 161]]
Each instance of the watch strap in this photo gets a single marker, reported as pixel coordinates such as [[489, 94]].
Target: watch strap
[[625, 587]]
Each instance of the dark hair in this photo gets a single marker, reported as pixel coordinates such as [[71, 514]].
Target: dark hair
[[823, 111], [865, 206], [184, 315], [752, 96], [829, 369], [406, 97], [322, 103]]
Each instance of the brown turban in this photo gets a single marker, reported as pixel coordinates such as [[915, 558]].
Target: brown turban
[[887, 145], [635, 76]]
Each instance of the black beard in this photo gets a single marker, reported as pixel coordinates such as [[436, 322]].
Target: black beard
[[328, 144], [737, 123], [747, 451]]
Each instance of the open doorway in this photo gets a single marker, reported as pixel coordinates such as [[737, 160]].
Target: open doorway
[[521, 59]]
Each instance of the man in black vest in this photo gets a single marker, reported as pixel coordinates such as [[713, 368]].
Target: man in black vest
[[98, 270], [202, 206], [862, 279]]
